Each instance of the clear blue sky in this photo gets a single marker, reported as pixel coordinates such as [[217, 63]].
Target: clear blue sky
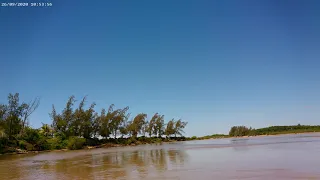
[[212, 63]]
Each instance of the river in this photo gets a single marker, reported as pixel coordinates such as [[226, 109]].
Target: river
[[272, 157]]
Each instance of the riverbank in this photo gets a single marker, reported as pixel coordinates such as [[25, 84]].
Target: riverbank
[[121, 142], [212, 137], [266, 135], [152, 140]]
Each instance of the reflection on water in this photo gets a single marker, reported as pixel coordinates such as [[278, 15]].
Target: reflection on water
[[240, 144], [274, 157], [93, 164]]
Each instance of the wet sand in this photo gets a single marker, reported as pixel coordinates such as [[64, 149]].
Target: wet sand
[[270, 157]]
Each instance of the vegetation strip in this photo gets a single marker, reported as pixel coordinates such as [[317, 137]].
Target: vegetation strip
[[80, 127]]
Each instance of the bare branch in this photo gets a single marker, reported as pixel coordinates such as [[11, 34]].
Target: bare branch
[[28, 110]]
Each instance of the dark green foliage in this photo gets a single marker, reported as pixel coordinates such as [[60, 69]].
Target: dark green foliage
[[286, 129], [56, 143], [272, 130], [136, 126], [31, 135], [3, 142], [92, 142], [239, 131], [25, 145], [76, 143], [170, 130], [214, 136]]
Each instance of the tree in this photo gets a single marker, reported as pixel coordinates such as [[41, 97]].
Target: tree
[[144, 128], [137, 124], [96, 125], [68, 117], [46, 130], [14, 111], [14, 116], [170, 129], [104, 123], [179, 126], [124, 126], [152, 123], [2, 121], [239, 131], [3, 110], [65, 123], [28, 110], [87, 122], [76, 126], [159, 126], [116, 119], [58, 123]]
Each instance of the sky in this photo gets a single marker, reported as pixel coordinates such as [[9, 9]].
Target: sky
[[214, 64]]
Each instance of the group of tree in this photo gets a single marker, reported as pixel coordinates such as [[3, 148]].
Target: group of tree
[[239, 131], [77, 126], [88, 123], [272, 130], [14, 118]]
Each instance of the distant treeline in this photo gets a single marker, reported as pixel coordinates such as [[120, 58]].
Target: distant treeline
[[213, 136], [76, 127], [272, 130]]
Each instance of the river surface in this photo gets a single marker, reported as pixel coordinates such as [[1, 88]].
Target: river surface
[[273, 157]]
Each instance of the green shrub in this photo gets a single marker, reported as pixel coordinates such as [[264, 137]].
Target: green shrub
[[60, 135], [157, 140], [92, 142], [3, 142], [13, 143], [75, 143], [54, 143], [64, 144], [25, 145], [31, 135], [42, 144], [142, 139], [131, 140]]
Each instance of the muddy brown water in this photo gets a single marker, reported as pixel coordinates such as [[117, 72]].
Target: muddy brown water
[[274, 157]]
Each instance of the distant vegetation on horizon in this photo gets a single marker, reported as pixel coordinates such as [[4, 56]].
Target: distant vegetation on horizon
[[240, 131], [272, 130]]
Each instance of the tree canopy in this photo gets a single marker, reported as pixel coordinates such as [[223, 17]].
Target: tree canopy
[[76, 124]]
